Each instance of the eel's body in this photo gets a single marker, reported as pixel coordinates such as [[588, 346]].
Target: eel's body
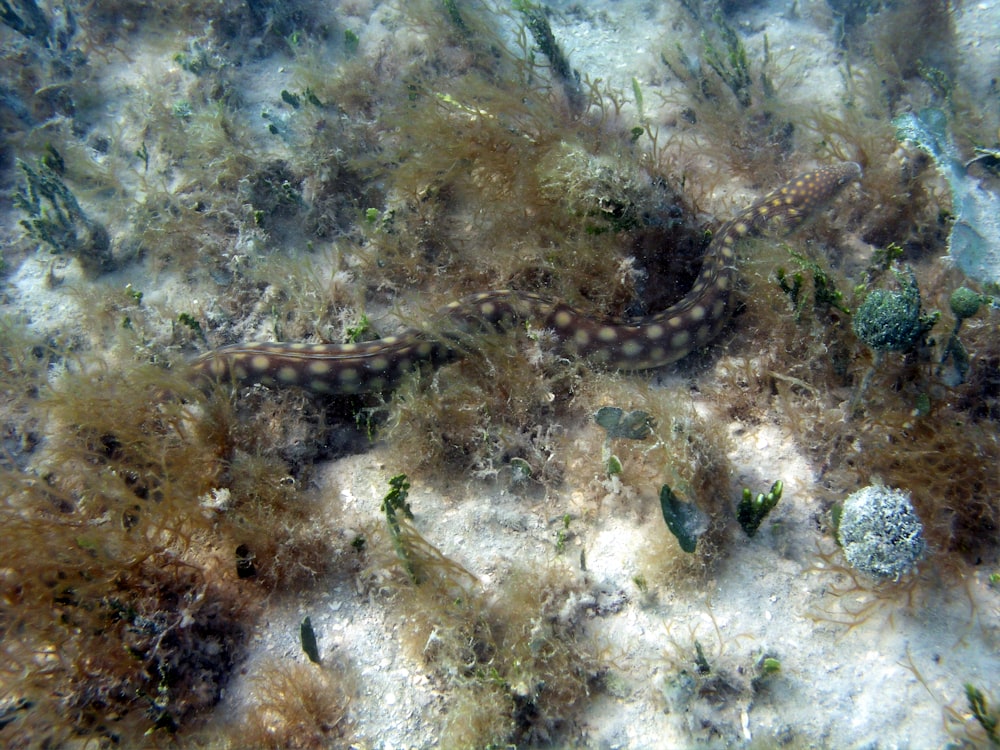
[[642, 343]]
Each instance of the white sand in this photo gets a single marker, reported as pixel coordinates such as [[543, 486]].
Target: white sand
[[838, 687]]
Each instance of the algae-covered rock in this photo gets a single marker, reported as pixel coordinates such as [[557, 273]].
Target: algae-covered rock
[[974, 242]]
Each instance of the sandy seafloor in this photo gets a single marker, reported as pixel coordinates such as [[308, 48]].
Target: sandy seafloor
[[838, 687]]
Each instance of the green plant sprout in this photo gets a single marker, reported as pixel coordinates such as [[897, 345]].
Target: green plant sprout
[[360, 331], [53, 159], [308, 638], [563, 534], [545, 40], [135, 297], [989, 721], [393, 503], [189, 321], [770, 665], [765, 669], [56, 219], [684, 520], [133, 294], [825, 293], [196, 60], [276, 123], [883, 258], [751, 510], [730, 64], [351, 42], [423, 563]]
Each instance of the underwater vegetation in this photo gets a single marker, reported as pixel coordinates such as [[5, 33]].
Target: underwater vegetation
[[125, 607], [725, 82], [752, 510], [404, 156], [56, 219]]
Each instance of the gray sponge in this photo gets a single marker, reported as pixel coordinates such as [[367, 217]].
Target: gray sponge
[[880, 532]]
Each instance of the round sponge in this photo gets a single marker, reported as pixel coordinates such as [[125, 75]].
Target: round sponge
[[880, 532]]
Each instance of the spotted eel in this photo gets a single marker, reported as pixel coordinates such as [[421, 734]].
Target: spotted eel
[[636, 344]]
